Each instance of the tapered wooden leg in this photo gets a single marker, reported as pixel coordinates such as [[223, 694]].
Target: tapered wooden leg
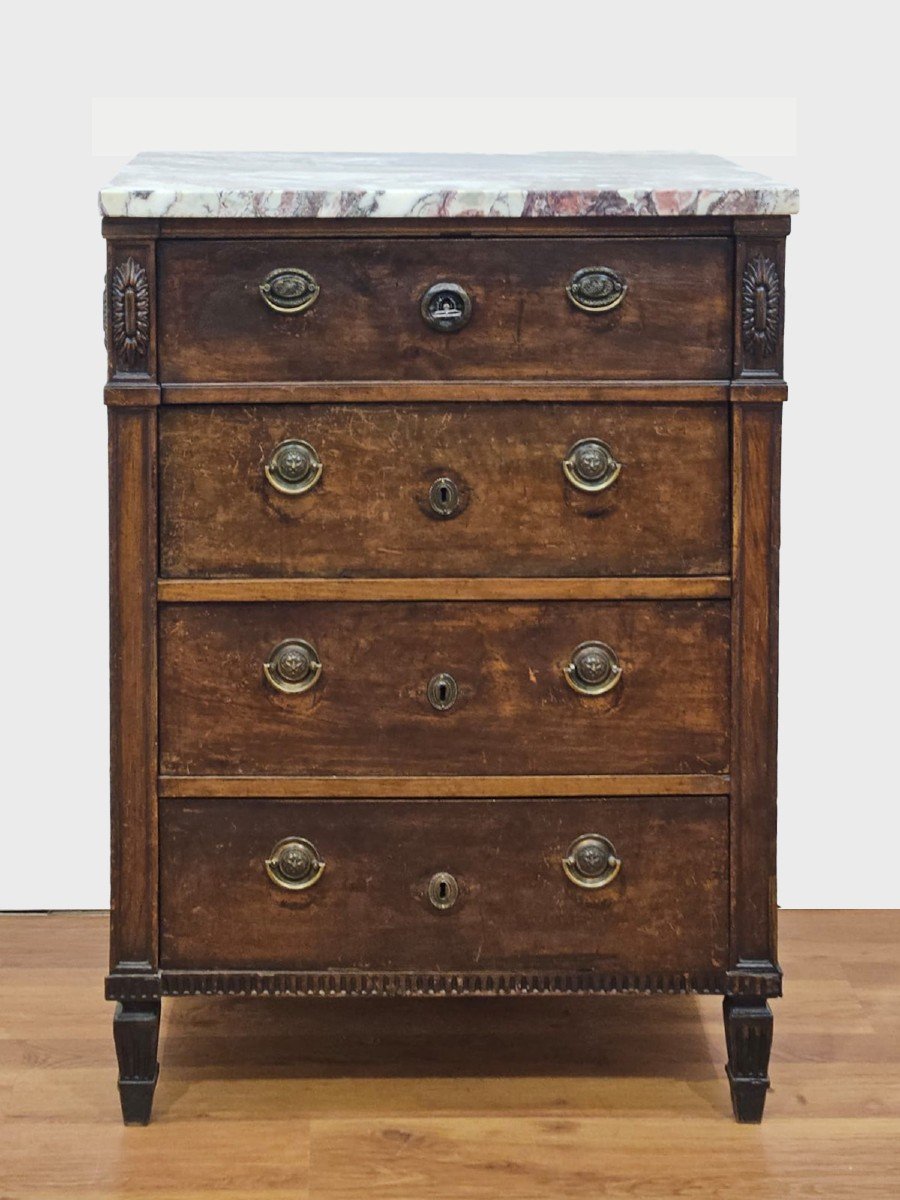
[[748, 1034], [136, 1034]]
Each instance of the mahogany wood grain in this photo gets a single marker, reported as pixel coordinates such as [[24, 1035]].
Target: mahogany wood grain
[[674, 322], [369, 714], [667, 513], [132, 395], [445, 227], [459, 227], [398, 391], [641, 587], [133, 686], [489, 786], [390, 598], [754, 704], [667, 908]]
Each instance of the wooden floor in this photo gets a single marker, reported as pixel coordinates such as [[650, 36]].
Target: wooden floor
[[422, 1099]]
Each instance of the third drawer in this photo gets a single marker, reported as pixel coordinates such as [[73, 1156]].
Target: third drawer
[[425, 688]]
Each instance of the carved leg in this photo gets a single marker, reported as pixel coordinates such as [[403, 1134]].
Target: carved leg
[[748, 1034], [136, 1034]]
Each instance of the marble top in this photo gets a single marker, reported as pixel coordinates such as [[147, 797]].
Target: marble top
[[441, 185]]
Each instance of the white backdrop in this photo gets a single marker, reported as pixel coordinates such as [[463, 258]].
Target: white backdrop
[[485, 80]]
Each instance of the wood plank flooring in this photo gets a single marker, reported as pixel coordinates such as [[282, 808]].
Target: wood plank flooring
[[532, 1098]]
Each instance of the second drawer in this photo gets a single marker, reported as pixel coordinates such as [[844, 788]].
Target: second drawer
[[519, 489], [425, 688]]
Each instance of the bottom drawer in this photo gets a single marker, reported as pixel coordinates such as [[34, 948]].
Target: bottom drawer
[[445, 885]]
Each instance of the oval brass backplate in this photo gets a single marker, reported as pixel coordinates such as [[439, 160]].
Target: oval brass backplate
[[590, 465], [596, 289], [591, 861], [593, 669], [294, 864], [443, 890], [289, 290], [293, 467], [293, 666]]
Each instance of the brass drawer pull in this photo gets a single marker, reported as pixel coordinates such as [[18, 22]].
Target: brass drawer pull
[[591, 861], [294, 864], [591, 466], [593, 669], [442, 691], [443, 890], [293, 666], [443, 496], [293, 467], [596, 289], [289, 290], [446, 307]]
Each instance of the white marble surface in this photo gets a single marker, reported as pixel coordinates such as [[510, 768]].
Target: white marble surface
[[440, 185]]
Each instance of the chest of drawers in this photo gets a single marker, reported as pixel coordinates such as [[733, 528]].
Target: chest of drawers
[[444, 534]]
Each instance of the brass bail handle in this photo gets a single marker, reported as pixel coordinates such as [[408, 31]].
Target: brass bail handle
[[293, 467], [294, 864], [289, 290], [293, 666], [596, 289], [591, 466], [591, 861], [593, 669]]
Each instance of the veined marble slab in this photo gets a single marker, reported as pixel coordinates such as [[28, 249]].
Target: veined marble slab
[[441, 185]]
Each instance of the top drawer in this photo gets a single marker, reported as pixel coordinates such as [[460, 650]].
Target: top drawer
[[664, 309]]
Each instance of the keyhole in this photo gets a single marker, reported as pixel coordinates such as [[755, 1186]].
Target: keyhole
[[442, 691], [443, 890], [443, 495]]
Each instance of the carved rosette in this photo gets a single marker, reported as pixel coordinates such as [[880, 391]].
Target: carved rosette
[[760, 307], [129, 313]]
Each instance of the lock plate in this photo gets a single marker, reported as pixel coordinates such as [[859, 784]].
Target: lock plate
[[446, 307]]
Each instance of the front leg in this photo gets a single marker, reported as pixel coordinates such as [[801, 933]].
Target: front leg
[[748, 1034], [136, 1034]]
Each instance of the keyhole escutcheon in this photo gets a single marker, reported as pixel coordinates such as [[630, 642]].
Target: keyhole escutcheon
[[442, 691], [443, 890], [443, 496]]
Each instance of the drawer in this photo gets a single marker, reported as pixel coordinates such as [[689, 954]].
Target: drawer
[[368, 710], [515, 906], [228, 505], [366, 323]]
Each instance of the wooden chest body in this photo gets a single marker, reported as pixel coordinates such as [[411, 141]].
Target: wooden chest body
[[673, 566]]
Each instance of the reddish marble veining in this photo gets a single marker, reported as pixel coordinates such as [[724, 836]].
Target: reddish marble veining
[[448, 186]]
